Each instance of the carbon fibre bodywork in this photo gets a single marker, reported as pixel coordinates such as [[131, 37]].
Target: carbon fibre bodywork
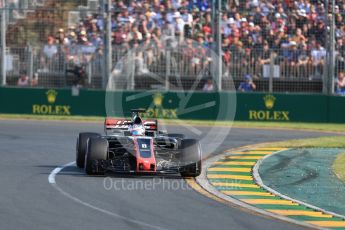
[[142, 154], [137, 145]]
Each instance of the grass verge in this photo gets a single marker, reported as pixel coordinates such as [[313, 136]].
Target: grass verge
[[319, 142], [340, 128], [50, 118], [339, 167]]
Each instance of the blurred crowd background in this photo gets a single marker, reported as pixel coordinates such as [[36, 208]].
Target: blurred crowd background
[[61, 43]]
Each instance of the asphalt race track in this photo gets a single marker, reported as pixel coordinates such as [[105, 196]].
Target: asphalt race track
[[30, 150]]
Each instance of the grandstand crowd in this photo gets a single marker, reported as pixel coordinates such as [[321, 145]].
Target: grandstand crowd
[[254, 32]]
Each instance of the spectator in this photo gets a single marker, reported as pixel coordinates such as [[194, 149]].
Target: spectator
[[293, 58], [303, 61], [251, 31], [134, 35], [248, 85], [23, 81], [60, 37], [248, 61], [34, 80], [188, 57], [298, 38], [96, 40], [79, 75], [340, 84], [149, 48], [178, 25], [318, 55], [119, 36], [208, 87], [50, 50], [263, 57], [340, 54]]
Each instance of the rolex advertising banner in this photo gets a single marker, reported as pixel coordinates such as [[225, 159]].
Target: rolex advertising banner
[[282, 107], [51, 102], [175, 105]]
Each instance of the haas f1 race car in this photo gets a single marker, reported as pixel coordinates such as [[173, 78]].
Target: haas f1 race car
[[137, 146]]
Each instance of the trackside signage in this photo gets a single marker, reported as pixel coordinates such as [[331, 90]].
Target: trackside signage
[[283, 107], [50, 108], [169, 105], [176, 105], [156, 110], [269, 113]]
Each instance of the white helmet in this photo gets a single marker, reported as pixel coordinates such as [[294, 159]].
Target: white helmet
[[137, 130]]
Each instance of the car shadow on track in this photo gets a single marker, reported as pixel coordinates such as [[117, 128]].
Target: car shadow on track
[[77, 172]]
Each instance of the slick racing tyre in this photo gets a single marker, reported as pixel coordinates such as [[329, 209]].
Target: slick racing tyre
[[190, 158], [97, 150], [81, 147]]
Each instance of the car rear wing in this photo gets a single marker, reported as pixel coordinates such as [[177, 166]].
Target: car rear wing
[[122, 124]]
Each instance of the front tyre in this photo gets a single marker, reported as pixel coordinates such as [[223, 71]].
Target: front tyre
[[81, 147], [97, 150], [191, 157]]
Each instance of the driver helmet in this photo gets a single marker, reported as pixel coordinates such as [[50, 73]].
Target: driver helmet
[[137, 130], [137, 120]]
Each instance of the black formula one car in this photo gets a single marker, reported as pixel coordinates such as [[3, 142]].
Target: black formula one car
[[136, 145]]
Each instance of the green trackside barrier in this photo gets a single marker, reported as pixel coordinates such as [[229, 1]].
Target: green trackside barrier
[[173, 105], [282, 107], [176, 105], [51, 102], [336, 108]]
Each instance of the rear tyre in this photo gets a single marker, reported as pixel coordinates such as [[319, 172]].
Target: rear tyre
[[81, 147], [191, 157], [97, 150]]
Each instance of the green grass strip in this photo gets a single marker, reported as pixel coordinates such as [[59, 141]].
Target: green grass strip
[[320, 142], [238, 124], [338, 166]]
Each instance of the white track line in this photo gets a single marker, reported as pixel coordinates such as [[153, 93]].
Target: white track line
[[53, 174], [52, 181]]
